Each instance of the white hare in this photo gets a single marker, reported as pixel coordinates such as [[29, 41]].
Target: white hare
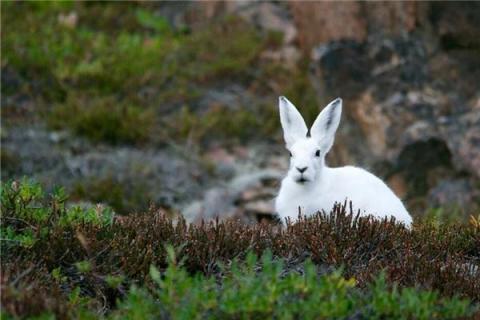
[[310, 186]]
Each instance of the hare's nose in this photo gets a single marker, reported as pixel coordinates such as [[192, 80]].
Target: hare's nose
[[302, 170]]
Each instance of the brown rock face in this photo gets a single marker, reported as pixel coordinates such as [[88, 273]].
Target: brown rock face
[[373, 123], [391, 17], [324, 21], [318, 22], [408, 107], [456, 23]]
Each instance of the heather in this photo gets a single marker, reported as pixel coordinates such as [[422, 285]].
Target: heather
[[80, 262]]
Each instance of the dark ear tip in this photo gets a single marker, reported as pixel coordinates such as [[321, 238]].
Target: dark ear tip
[[282, 98], [337, 101]]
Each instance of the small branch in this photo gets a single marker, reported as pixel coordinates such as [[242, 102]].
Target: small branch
[[21, 275], [13, 240], [21, 220]]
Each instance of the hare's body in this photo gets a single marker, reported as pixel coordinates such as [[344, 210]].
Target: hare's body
[[337, 185], [310, 186]]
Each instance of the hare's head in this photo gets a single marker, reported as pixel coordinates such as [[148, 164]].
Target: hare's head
[[308, 148]]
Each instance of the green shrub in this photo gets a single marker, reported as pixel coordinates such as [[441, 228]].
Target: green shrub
[[29, 214], [259, 290]]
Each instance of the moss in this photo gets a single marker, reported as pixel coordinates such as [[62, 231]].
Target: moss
[[60, 58], [239, 47], [258, 121], [93, 73], [116, 194], [103, 119], [116, 84], [89, 56], [9, 162], [220, 123], [301, 92]]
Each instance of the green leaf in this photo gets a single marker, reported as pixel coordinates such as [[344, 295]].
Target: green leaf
[[155, 274]]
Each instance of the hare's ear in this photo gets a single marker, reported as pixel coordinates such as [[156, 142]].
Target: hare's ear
[[324, 127], [293, 125]]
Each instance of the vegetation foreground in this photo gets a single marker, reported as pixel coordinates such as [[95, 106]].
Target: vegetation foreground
[[67, 262]]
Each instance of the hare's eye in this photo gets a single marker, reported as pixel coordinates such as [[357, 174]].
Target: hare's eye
[[317, 154], [290, 153]]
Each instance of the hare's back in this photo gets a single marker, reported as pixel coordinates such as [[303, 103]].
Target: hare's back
[[367, 192]]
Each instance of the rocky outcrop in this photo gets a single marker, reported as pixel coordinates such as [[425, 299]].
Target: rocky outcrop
[[456, 194], [453, 24], [404, 112], [318, 22]]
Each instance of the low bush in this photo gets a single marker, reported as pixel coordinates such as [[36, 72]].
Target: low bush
[[75, 262]]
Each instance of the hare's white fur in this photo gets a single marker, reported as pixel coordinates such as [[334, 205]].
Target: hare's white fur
[[310, 186]]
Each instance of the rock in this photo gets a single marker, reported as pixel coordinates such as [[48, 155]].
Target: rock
[[165, 177], [318, 22], [393, 18], [288, 55], [462, 134], [248, 196], [325, 21], [404, 105], [58, 136], [340, 68], [398, 184], [260, 207], [69, 20], [459, 194], [175, 12], [373, 122], [456, 24], [252, 194], [231, 96], [267, 16], [217, 202]]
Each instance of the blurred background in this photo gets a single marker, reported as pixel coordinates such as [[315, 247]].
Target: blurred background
[[174, 104]]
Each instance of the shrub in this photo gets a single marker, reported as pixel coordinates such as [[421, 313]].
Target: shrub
[[29, 214], [431, 271], [260, 289]]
